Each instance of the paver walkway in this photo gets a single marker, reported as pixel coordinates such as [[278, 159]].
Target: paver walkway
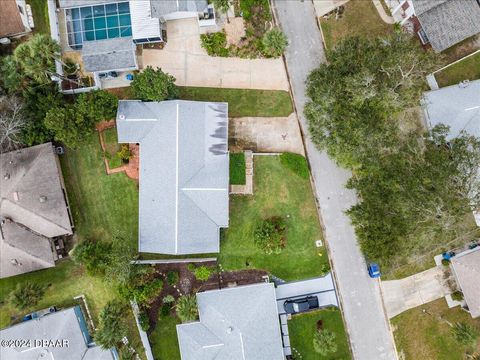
[[383, 15], [184, 58], [401, 295]]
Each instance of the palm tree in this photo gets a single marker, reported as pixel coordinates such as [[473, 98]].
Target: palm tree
[[36, 57], [186, 308]]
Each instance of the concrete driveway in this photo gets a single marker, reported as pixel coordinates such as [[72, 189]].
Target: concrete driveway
[[367, 323], [323, 288], [270, 134], [184, 58], [401, 295]]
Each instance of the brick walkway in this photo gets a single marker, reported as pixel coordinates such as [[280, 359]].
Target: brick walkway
[[246, 189], [132, 168]]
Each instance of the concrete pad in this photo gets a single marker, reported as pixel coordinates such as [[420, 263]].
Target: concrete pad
[[269, 74], [194, 46], [236, 65], [236, 80], [164, 59], [203, 71], [401, 295]]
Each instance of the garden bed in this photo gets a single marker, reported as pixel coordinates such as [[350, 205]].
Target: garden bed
[[237, 169]]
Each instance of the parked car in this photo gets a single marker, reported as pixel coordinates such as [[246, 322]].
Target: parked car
[[300, 305], [374, 270]]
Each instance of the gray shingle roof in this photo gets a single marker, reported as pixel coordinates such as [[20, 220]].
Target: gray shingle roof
[[183, 172], [466, 267], [238, 323], [66, 325], [32, 196], [455, 106], [109, 54], [161, 7], [448, 22]]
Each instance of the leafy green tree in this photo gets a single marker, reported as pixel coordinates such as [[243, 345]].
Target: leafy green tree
[[465, 334], [94, 255], [324, 342], [154, 85], [274, 43], [11, 79], [27, 294], [269, 235], [202, 273], [112, 327], [68, 126], [186, 308], [36, 57], [98, 105]]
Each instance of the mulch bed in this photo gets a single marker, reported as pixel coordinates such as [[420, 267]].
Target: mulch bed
[[188, 284]]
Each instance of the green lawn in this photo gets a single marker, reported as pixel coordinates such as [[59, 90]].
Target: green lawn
[[40, 16], [101, 204], [468, 69], [164, 339], [359, 18], [427, 335], [302, 328], [112, 147], [278, 191], [237, 168]]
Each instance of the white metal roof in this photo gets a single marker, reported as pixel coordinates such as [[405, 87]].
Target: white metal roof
[[143, 24]]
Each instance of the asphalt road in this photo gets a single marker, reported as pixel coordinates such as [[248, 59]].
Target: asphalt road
[[367, 325]]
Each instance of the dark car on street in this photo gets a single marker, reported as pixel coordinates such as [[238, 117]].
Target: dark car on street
[[300, 305]]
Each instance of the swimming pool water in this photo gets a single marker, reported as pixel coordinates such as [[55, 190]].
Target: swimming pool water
[[97, 22]]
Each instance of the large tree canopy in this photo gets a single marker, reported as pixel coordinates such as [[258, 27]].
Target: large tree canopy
[[414, 188]]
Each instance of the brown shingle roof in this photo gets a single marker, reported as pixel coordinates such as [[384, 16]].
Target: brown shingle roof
[[467, 271], [10, 21]]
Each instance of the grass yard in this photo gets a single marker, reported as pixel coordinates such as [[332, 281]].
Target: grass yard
[[427, 336], [359, 18], [241, 102], [112, 147], [468, 69], [164, 339], [237, 169], [101, 204], [40, 16], [64, 282], [278, 191], [302, 328]]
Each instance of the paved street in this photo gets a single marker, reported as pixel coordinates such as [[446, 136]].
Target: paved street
[[366, 321]]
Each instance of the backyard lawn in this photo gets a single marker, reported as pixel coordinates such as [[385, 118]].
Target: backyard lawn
[[164, 339], [428, 336], [302, 328], [359, 18], [112, 147], [241, 102], [40, 16], [468, 69], [280, 192], [237, 168], [101, 204]]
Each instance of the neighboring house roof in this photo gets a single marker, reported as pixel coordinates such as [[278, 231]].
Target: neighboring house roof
[[10, 20], [66, 325], [160, 8], [447, 22], [238, 323], [109, 54], [184, 175], [144, 26], [32, 196], [466, 267], [457, 106]]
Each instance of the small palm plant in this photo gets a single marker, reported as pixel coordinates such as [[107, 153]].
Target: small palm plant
[[186, 308]]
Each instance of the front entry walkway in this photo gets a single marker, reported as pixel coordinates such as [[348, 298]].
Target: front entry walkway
[[184, 58], [415, 290]]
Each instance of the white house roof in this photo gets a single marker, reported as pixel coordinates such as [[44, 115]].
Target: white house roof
[[143, 24], [184, 177], [467, 271]]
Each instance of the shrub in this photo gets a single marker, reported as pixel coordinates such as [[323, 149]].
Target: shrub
[[269, 235], [457, 296], [144, 320], [215, 43], [202, 273], [27, 294], [445, 262], [297, 163], [169, 299], [98, 105], [274, 43], [154, 85], [465, 334], [143, 291], [127, 354], [172, 277], [124, 152], [186, 308], [165, 309], [112, 327], [93, 254], [324, 342], [191, 267]]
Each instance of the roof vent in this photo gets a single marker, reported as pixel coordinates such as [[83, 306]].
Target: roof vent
[[42, 199], [6, 177], [121, 117], [229, 330]]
